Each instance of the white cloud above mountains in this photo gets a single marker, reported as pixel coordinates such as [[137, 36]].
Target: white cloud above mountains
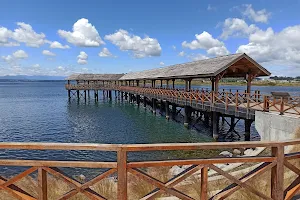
[[11, 59], [205, 41], [83, 34], [140, 48], [23, 34]]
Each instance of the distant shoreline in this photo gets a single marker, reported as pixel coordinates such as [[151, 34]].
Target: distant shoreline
[[195, 83]]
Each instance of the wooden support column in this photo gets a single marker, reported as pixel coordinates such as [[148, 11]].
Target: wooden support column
[[173, 110], [89, 89], [84, 95], [130, 97], [69, 94], [138, 98], [42, 184], [167, 83], [145, 101], [186, 85], [122, 175], [154, 106], [137, 83], [167, 110], [215, 125], [173, 84], [154, 81], [248, 123], [206, 118], [161, 106], [110, 95], [212, 79], [161, 83], [190, 84], [78, 97], [144, 83], [187, 115], [249, 78]]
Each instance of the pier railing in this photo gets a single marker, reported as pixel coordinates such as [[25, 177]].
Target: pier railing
[[226, 101], [273, 164]]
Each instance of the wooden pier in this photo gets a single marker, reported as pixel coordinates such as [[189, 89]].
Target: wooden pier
[[157, 88]]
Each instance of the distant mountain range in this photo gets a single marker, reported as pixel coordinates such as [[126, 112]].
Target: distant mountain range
[[31, 78]]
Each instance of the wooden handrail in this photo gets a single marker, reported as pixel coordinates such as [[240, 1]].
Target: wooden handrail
[[275, 162]]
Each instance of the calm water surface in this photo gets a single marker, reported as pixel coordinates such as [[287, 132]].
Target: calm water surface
[[41, 112]]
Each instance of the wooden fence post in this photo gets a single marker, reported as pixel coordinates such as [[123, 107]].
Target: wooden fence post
[[281, 106], [42, 184], [122, 175], [277, 174], [204, 180]]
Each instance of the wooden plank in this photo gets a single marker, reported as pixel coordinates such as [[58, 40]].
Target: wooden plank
[[98, 178], [292, 167], [204, 183], [226, 192], [174, 181], [277, 174], [198, 146], [42, 184], [15, 191], [122, 175], [240, 183], [292, 189], [48, 163], [19, 176], [198, 161], [59, 146], [158, 184]]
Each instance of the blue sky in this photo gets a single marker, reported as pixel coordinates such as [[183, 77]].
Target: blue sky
[[63, 37]]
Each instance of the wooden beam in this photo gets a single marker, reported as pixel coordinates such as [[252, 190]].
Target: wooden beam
[[122, 175]]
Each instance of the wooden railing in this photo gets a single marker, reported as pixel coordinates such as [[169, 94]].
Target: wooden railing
[[273, 163], [239, 102]]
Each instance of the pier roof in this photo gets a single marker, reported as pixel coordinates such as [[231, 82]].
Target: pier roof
[[91, 77], [234, 65]]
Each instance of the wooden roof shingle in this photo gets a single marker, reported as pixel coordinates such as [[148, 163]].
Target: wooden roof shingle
[[202, 68], [91, 77]]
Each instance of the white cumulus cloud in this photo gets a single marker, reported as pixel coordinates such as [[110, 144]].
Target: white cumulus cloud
[[25, 34], [20, 54], [182, 53], [146, 47], [105, 53], [161, 63], [237, 27], [281, 48], [82, 58], [256, 16], [84, 34], [48, 53], [205, 41], [57, 45]]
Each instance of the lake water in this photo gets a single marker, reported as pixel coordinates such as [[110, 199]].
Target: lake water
[[41, 112]]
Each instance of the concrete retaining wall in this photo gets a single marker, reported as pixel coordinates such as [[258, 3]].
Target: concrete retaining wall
[[275, 127]]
